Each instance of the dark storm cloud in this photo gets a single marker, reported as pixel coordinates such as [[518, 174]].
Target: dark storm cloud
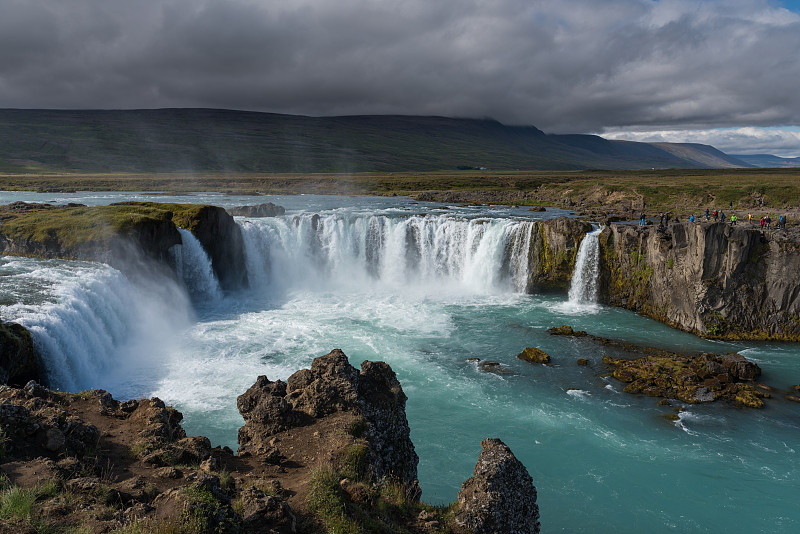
[[563, 65]]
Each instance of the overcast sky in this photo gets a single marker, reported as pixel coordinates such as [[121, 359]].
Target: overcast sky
[[712, 71]]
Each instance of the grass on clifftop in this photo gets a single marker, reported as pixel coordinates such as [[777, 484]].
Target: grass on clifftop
[[74, 226], [671, 189]]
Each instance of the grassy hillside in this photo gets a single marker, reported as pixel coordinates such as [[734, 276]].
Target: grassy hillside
[[202, 140]]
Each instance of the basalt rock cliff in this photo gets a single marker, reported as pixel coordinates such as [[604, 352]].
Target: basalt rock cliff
[[711, 279]]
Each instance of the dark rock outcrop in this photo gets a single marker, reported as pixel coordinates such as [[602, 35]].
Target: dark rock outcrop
[[534, 355], [35, 422], [267, 209], [222, 240], [499, 497], [333, 385], [551, 257], [19, 361], [268, 514], [712, 279]]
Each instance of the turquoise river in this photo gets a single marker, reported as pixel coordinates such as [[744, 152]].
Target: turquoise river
[[424, 289]]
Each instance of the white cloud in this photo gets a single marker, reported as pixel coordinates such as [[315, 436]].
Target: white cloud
[[746, 140]]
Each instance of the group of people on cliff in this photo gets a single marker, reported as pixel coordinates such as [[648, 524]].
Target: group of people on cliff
[[718, 215]]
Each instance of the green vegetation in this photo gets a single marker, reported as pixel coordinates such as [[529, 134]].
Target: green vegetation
[[358, 427], [204, 513], [347, 500], [76, 226], [680, 191], [19, 505]]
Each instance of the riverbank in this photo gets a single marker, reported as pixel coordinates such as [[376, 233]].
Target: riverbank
[[623, 192]]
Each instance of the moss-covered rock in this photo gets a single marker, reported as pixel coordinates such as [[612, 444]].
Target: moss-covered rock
[[691, 379], [554, 246], [534, 355], [122, 234], [565, 330]]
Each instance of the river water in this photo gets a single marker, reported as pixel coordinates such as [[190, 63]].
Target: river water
[[424, 289]]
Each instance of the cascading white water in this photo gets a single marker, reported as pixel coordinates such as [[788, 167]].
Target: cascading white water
[[93, 326], [313, 251], [194, 268], [583, 289]]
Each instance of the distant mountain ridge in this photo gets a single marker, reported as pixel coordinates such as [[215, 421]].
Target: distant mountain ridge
[[768, 161], [167, 140]]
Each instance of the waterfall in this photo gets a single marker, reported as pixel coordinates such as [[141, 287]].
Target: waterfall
[[583, 289], [95, 327], [428, 252], [194, 268]]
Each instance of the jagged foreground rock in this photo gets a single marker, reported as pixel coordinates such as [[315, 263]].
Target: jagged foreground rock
[[499, 498], [130, 464], [333, 385]]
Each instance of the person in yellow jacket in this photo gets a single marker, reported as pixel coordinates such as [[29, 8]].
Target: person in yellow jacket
[[734, 218]]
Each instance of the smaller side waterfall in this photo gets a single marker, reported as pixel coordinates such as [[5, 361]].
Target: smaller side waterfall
[[194, 268], [583, 289]]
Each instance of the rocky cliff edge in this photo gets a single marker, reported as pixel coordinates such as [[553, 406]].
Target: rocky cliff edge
[[712, 279], [326, 451]]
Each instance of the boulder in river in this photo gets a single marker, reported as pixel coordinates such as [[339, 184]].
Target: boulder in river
[[268, 209], [534, 355], [500, 496]]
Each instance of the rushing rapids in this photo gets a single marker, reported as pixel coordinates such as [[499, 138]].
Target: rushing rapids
[[424, 293]]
